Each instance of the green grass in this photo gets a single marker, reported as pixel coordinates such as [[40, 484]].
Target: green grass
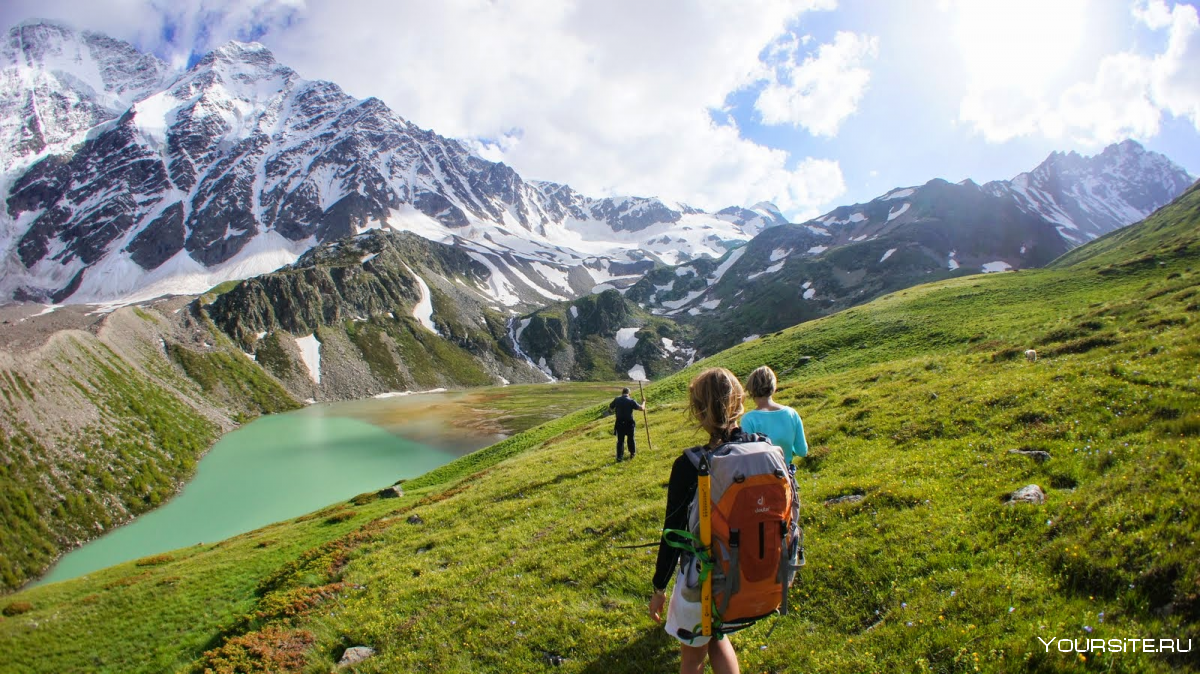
[[912, 401], [231, 377], [131, 460]]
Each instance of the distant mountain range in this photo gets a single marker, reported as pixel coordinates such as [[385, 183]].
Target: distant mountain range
[[124, 180], [911, 235]]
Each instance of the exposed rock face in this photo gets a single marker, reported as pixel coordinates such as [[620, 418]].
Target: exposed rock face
[[789, 273], [238, 165], [355, 655], [1087, 197], [388, 311], [1037, 455], [56, 83]]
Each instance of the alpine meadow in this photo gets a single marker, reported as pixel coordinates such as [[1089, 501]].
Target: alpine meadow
[[920, 407]]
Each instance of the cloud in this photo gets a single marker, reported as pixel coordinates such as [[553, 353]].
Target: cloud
[[170, 29], [822, 91], [614, 97], [611, 98], [1125, 98]]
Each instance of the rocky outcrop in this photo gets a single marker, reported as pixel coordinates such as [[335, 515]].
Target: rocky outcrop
[[384, 311], [602, 337]]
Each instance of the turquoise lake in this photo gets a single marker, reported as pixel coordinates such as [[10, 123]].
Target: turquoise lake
[[283, 466]]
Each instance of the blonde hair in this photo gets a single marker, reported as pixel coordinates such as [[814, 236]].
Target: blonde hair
[[715, 402], [761, 383]]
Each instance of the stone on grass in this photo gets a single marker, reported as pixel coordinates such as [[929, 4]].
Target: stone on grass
[[415, 519], [394, 491], [1037, 455], [1028, 494], [848, 498], [355, 655]]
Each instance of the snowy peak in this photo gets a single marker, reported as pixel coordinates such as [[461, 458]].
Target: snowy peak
[[56, 83], [1087, 197], [238, 165]]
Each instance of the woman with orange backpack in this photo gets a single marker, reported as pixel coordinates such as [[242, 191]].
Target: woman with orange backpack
[[715, 403]]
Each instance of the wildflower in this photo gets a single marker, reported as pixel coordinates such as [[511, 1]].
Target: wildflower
[[1087, 629]]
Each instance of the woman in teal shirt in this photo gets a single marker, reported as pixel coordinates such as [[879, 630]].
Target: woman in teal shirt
[[780, 423]]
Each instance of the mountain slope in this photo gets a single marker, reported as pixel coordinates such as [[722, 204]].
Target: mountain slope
[[911, 402], [1087, 197], [105, 417], [388, 312], [907, 236], [238, 165], [602, 337], [56, 83]]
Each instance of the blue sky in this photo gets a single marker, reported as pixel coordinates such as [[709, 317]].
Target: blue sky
[[806, 103], [908, 126]]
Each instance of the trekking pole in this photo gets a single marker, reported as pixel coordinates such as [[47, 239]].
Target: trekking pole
[[704, 500], [645, 418]]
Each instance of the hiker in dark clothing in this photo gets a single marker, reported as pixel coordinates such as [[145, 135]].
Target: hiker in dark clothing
[[715, 402], [624, 405]]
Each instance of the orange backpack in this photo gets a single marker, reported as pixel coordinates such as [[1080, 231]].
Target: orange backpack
[[757, 544]]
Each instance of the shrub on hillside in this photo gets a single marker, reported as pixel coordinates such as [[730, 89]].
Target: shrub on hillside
[[17, 608]]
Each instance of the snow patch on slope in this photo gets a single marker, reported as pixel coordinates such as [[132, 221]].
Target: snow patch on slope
[[627, 338], [310, 353], [423, 311], [897, 212]]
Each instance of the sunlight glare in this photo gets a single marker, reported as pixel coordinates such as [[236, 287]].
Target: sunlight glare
[[1018, 44]]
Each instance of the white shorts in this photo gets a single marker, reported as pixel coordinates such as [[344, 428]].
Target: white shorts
[[685, 614]]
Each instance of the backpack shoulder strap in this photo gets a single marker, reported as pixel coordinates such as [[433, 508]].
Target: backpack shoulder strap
[[693, 455]]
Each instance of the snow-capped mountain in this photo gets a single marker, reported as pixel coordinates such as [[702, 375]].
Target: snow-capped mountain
[[1083, 197], [238, 165], [56, 83], [1087, 197], [909, 235]]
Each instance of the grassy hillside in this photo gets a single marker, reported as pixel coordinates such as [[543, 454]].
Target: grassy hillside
[[105, 421], [507, 560]]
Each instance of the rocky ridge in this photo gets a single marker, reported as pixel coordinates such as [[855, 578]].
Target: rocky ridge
[[238, 165], [797, 272]]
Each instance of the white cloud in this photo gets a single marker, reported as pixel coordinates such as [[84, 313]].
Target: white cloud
[[1114, 106], [1126, 97], [610, 97], [823, 90], [1175, 83]]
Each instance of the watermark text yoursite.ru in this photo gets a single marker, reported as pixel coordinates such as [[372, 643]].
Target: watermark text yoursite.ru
[[1117, 645]]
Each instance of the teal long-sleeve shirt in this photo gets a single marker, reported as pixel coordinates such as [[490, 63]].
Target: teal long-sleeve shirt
[[782, 426]]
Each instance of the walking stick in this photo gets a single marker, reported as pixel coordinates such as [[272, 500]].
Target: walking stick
[[704, 500], [645, 418]]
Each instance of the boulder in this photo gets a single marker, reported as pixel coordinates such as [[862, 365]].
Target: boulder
[[1028, 494], [355, 655], [394, 491], [415, 519]]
